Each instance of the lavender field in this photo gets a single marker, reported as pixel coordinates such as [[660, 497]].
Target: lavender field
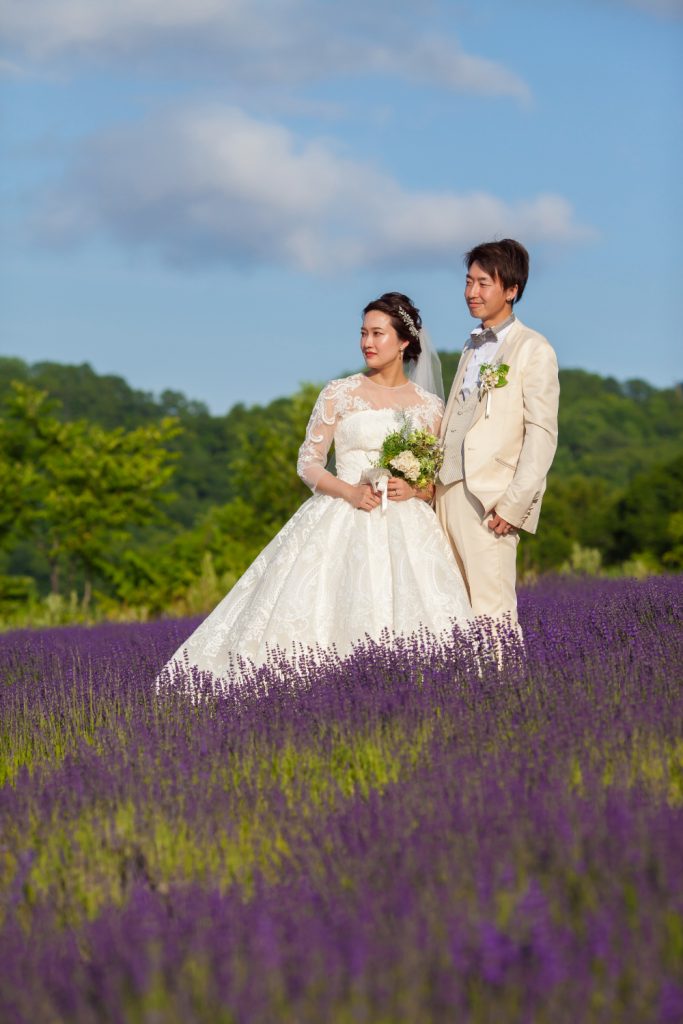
[[403, 838]]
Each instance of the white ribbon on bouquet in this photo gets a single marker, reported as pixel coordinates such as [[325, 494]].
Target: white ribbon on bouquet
[[378, 477]]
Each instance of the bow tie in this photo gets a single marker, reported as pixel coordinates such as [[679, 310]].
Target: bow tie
[[478, 338]]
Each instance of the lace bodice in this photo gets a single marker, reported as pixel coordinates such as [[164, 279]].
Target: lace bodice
[[357, 414]]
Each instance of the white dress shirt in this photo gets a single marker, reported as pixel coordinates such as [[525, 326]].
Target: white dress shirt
[[485, 343]]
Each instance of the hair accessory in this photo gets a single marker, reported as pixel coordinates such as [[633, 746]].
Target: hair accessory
[[408, 321]]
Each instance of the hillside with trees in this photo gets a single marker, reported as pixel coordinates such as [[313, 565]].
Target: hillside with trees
[[143, 505]]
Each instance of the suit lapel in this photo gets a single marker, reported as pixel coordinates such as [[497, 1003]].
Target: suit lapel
[[455, 387], [462, 366]]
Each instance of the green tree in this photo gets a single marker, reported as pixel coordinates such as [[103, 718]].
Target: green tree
[[575, 514], [644, 517], [263, 468], [159, 576], [203, 445], [673, 556], [236, 483], [76, 488]]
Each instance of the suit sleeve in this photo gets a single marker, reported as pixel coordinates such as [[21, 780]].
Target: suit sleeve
[[541, 396]]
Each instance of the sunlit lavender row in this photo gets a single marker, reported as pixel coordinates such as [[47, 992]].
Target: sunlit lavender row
[[408, 835]]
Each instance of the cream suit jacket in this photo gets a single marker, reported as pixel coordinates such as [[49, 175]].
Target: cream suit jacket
[[507, 456]]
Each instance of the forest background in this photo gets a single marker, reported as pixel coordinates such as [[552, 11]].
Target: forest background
[[123, 505]]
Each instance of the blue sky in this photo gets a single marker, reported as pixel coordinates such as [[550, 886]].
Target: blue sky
[[203, 194]]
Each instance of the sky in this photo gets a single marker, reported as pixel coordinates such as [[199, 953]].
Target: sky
[[202, 195]]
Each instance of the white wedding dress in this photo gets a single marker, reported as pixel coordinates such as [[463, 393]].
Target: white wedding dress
[[335, 575]]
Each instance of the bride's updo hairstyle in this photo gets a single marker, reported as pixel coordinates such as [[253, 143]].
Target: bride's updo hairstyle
[[405, 319]]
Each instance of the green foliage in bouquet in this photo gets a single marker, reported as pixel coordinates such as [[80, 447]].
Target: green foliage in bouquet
[[414, 455]]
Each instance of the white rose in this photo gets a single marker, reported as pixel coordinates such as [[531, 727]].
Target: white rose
[[406, 463]]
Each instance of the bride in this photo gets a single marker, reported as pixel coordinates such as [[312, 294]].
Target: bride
[[347, 565]]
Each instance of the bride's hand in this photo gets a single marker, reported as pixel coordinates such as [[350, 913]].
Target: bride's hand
[[400, 490], [363, 497]]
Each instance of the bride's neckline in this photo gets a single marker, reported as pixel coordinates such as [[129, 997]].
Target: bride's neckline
[[387, 387]]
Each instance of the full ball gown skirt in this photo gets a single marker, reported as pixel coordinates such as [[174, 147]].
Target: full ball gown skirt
[[335, 575]]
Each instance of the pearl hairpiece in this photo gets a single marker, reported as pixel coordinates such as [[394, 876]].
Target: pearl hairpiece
[[408, 321]]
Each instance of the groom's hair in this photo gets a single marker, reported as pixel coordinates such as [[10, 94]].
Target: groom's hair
[[506, 260]]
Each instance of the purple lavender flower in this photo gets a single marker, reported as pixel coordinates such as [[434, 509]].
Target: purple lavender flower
[[405, 834]]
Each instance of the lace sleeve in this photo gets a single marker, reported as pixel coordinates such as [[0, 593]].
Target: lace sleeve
[[319, 436]]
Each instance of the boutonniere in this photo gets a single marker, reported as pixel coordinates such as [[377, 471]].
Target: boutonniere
[[491, 376]]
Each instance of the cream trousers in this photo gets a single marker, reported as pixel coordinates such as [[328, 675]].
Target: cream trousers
[[487, 561]]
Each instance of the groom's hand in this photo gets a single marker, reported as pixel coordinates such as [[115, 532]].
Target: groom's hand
[[500, 525]]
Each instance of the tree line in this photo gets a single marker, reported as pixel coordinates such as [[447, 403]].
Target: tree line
[[142, 505]]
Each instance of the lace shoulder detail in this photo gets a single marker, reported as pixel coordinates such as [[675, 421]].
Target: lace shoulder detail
[[429, 412], [343, 397]]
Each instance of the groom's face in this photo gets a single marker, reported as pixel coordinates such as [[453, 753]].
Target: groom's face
[[486, 297]]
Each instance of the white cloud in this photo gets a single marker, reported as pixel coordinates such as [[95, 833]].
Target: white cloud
[[45, 27], [216, 186], [8, 69], [272, 41]]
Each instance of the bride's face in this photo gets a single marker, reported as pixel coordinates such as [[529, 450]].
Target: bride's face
[[379, 342]]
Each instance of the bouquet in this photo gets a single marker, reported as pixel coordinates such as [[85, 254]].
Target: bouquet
[[414, 455]]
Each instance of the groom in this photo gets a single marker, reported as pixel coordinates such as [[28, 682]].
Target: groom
[[499, 430]]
